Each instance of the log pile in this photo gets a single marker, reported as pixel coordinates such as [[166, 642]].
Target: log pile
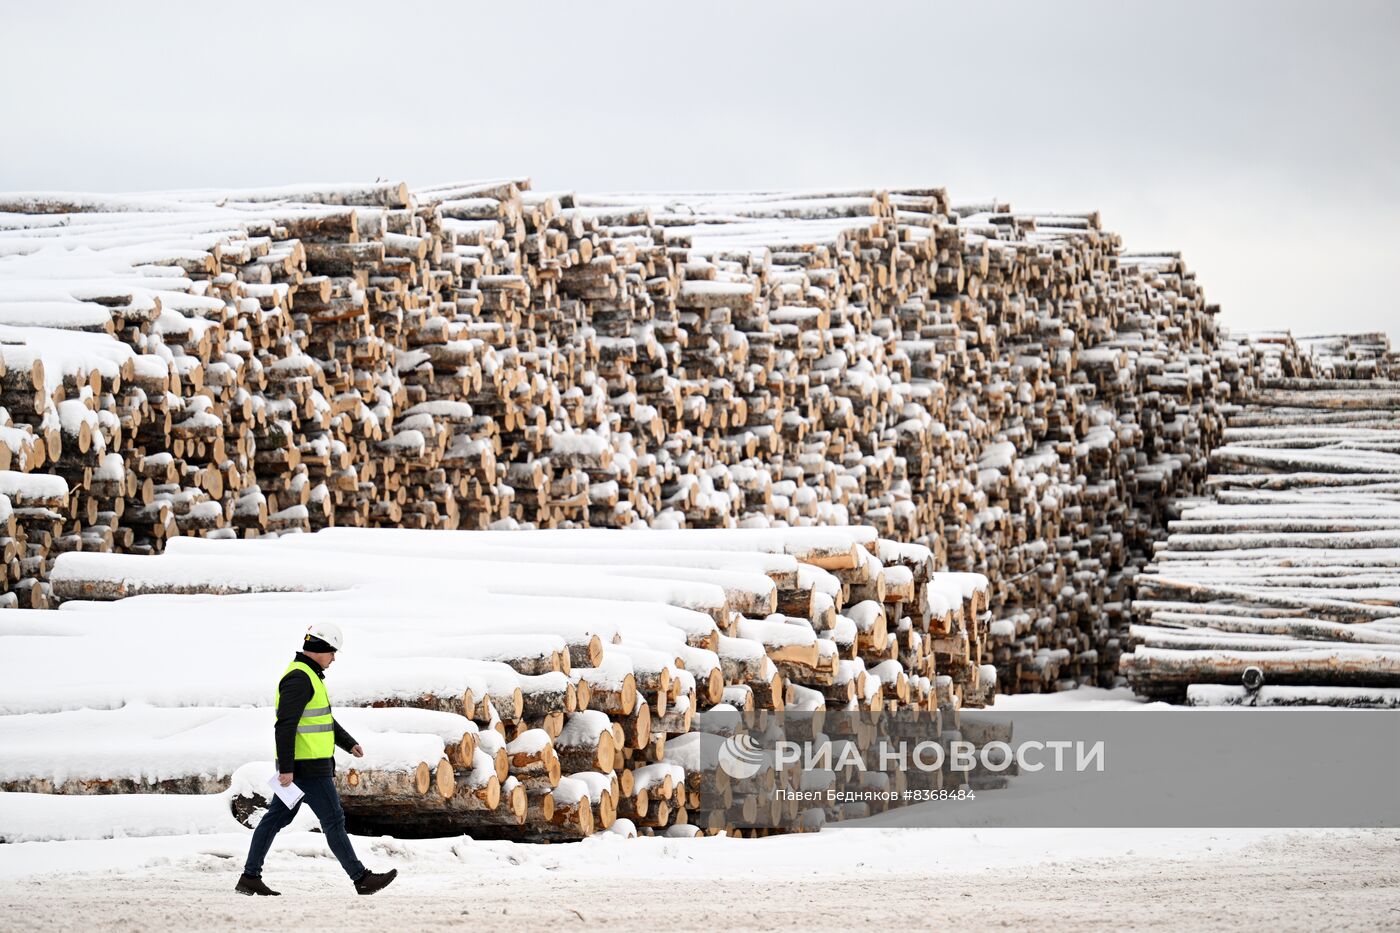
[[535, 685], [1011, 390], [1283, 585]]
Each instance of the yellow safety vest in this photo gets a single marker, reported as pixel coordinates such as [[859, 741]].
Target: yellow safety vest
[[316, 728]]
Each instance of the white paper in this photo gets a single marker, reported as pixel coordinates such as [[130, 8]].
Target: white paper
[[289, 795]]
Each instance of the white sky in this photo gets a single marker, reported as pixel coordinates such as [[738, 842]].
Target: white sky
[[1260, 139]]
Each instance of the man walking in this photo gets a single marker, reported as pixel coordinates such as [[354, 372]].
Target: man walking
[[306, 735]]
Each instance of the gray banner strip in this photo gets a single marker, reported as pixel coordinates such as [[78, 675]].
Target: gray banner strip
[[1172, 768]]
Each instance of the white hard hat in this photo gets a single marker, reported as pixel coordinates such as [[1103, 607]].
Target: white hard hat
[[328, 632]]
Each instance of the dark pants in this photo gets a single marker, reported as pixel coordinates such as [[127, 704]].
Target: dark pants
[[323, 800]]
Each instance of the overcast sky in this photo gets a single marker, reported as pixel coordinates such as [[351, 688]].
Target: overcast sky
[[1260, 139]]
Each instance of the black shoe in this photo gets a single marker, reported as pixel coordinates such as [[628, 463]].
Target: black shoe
[[250, 885], [372, 881]]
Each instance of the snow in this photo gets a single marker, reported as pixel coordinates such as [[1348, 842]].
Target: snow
[[1084, 698], [691, 749], [966, 583], [146, 743], [780, 541], [429, 613], [865, 614], [583, 728], [46, 674], [832, 853], [579, 444], [898, 576], [623, 827], [258, 566], [890, 670], [1324, 654], [1053, 880], [825, 584], [596, 782], [643, 660], [73, 413], [805, 699], [776, 634], [529, 742], [654, 775], [47, 817], [442, 408], [843, 630], [997, 456], [1002, 628], [32, 486], [609, 675], [449, 727], [175, 572], [62, 351], [111, 469], [1223, 695]]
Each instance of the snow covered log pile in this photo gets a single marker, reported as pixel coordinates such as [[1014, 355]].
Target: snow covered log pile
[[1010, 389], [1283, 586], [537, 684]]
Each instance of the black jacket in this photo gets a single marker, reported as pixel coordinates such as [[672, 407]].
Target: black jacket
[[294, 692]]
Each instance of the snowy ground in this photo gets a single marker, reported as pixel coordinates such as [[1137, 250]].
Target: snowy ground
[[1085, 698], [1030, 879], [1043, 879]]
